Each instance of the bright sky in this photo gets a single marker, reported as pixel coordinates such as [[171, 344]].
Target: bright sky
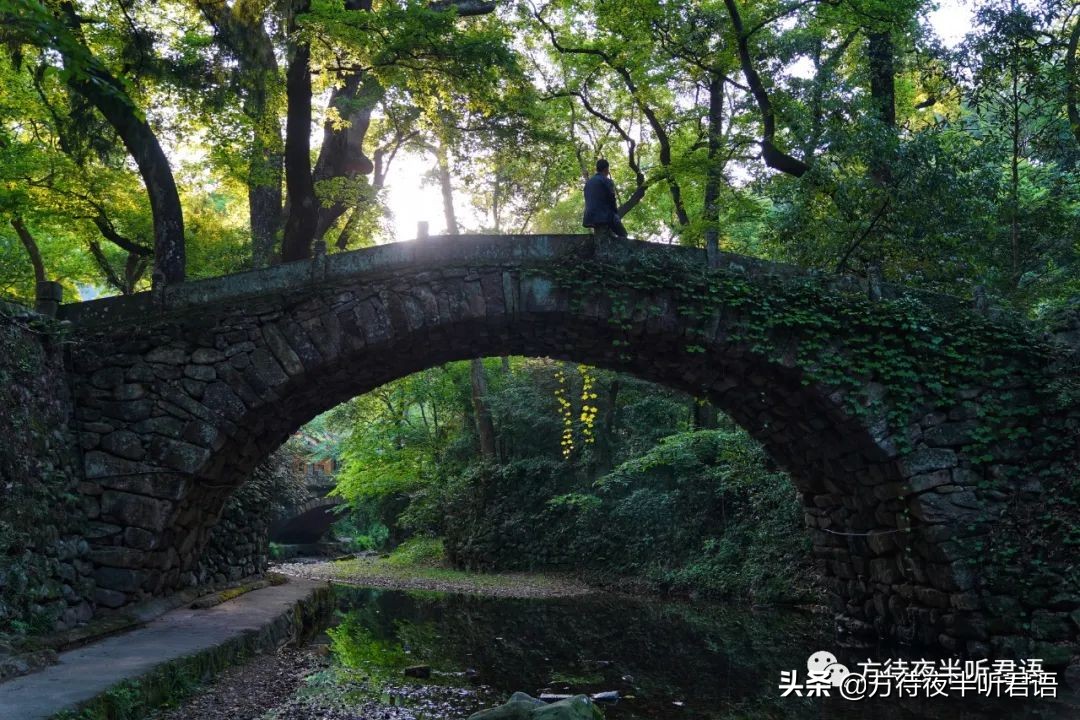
[[411, 202]]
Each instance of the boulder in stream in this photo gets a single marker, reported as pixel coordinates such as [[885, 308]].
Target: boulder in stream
[[525, 707]]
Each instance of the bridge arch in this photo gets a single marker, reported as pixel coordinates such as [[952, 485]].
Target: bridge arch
[[307, 523], [180, 397]]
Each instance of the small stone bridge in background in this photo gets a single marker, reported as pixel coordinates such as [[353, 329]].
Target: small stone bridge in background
[[307, 522], [181, 394]]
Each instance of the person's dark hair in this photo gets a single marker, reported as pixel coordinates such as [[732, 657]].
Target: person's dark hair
[[601, 165]]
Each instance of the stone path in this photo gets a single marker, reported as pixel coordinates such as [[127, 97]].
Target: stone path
[[84, 673]]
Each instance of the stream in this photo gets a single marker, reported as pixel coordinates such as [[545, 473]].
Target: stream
[[667, 660]]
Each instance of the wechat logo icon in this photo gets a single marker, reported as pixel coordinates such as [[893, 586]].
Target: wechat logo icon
[[823, 667]]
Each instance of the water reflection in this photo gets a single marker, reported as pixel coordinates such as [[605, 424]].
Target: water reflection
[[687, 661]]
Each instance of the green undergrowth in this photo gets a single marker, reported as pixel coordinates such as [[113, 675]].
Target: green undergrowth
[[420, 563], [419, 551]]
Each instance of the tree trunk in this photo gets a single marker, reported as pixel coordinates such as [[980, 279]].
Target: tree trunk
[[342, 151], [485, 427], [882, 76], [108, 96], [705, 415], [242, 35], [32, 249], [303, 205], [446, 187], [714, 177], [265, 158], [883, 97], [91, 79], [1071, 81], [1014, 171], [605, 434], [264, 208]]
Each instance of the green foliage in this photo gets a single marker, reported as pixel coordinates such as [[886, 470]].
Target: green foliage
[[970, 182], [418, 551], [359, 531], [674, 510], [738, 528], [358, 648], [40, 513]]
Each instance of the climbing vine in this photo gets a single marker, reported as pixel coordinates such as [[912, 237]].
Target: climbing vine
[[562, 397], [588, 409], [587, 415], [889, 363]]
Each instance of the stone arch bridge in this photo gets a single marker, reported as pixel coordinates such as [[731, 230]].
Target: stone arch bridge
[[896, 418], [307, 521]]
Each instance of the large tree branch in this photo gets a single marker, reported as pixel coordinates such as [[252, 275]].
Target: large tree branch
[[662, 138], [781, 13], [641, 184], [465, 8], [32, 249], [109, 232], [105, 266], [93, 81], [772, 155]]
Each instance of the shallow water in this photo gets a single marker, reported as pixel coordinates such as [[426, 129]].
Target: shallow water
[[667, 659]]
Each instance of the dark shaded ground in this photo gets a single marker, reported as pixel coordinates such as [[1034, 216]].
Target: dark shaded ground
[[248, 691], [297, 684]]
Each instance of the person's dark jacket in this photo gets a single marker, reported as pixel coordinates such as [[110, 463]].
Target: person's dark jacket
[[601, 207]]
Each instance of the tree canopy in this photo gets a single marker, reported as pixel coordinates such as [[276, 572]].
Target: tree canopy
[[145, 141]]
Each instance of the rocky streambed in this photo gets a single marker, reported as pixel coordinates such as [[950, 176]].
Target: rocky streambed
[[423, 654]]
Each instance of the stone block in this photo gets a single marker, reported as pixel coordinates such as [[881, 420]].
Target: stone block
[[885, 570], [99, 530], [204, 435], [123, 443], [184, 457], [140, 374], [207, 356], [117, 556], [927, 460], [219, 398], [950, 577], [99, 465], [193, 388], [1046, 625], [167, 355], [279, 346], [129, 391], [928, 481], [138, 538], [934, 507], [931, 597], [131, 411], [109, 598], [119, 579], [107, 378], [160, 425], [128, 509], [203, 373], [950, 434]]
